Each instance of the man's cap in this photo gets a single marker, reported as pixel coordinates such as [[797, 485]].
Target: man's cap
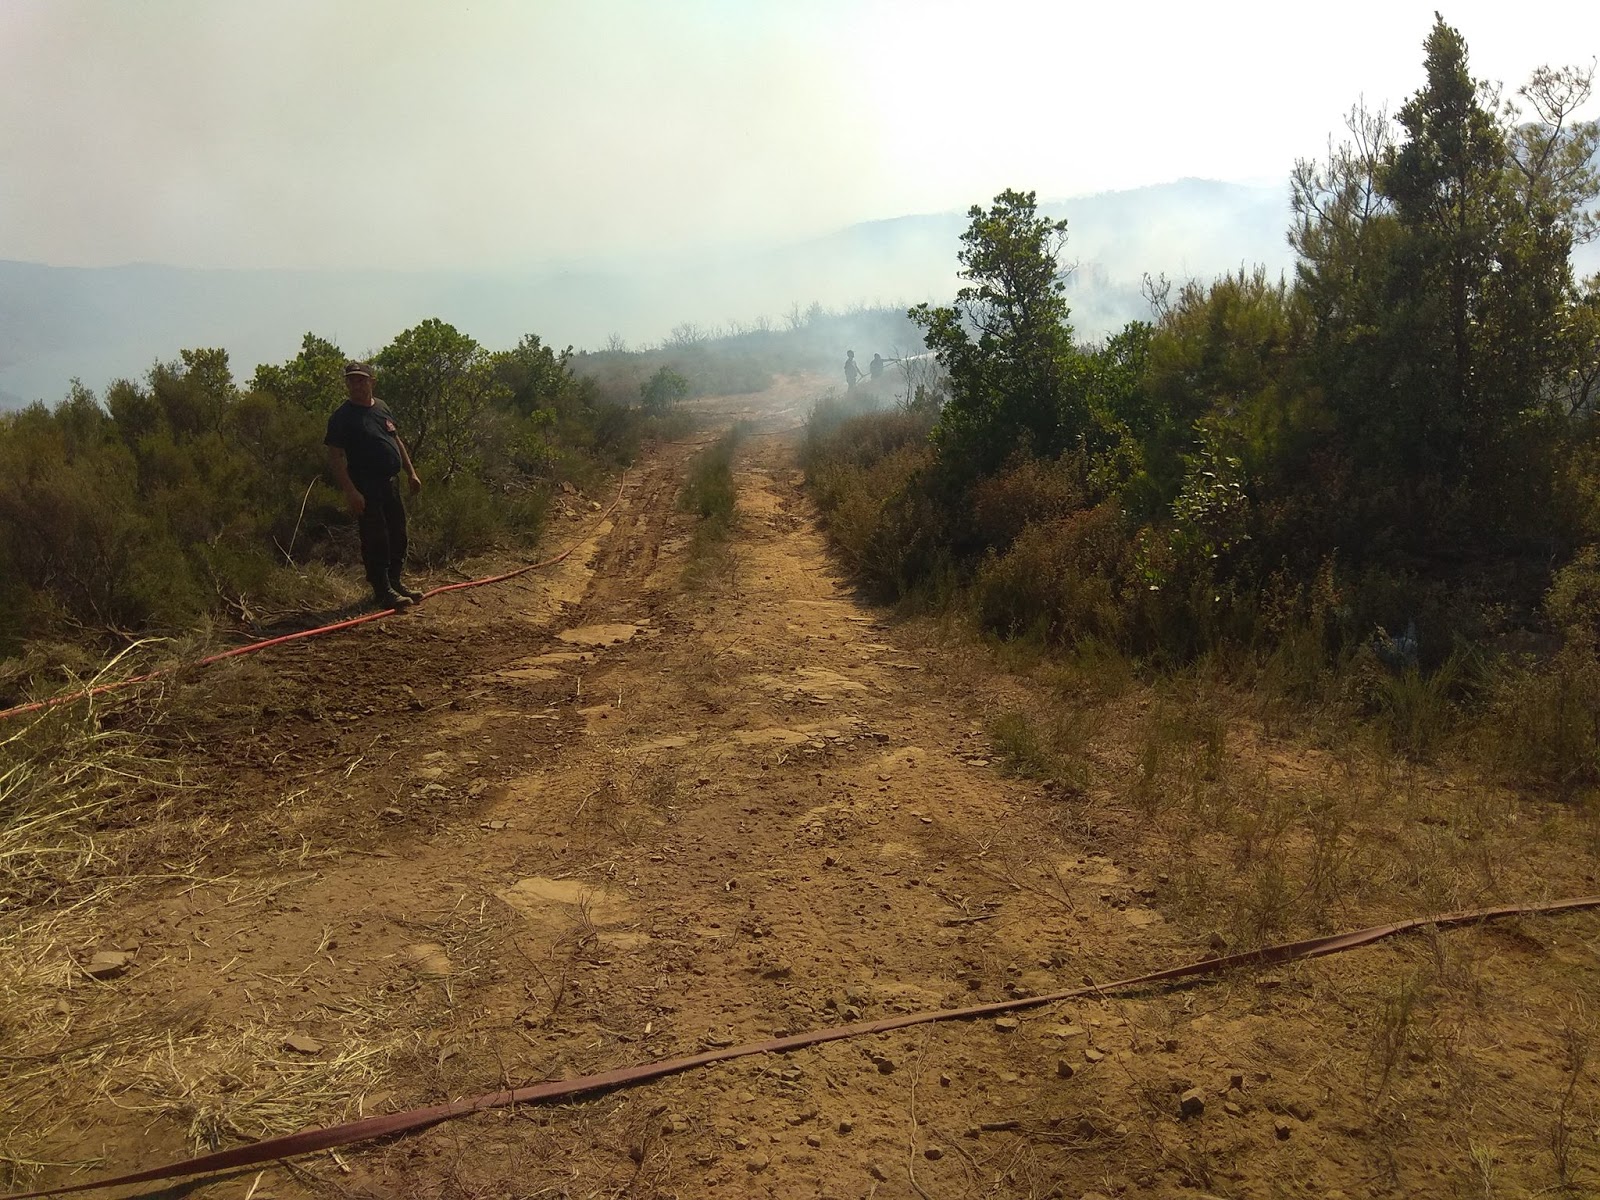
[[359, 368]]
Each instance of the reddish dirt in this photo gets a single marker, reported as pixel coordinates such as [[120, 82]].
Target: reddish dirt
[[594, 817]]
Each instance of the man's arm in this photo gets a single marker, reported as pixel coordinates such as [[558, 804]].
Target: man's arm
[[340, 469], [411, 472]]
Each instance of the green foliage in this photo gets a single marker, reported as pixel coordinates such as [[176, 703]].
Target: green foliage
[[311, 382], [183, 495], [663, 390], [709, 492], [439, 382], [868, 472], [1352, 485], [1012, 386], [460, 516], [1060, 580], [712, 496]]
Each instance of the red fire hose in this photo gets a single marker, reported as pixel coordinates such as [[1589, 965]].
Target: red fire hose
[[390, 1124]]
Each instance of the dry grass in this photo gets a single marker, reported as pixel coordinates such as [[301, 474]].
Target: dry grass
[[1454, 1065], [92, 812], [244, 1084]]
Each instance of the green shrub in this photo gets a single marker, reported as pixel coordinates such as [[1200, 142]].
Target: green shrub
[[1058, 580], [709, 492], [460, 517], [662, 391], [1027, 492]]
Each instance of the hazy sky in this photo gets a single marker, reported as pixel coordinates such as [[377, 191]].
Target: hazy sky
[[422, 133]]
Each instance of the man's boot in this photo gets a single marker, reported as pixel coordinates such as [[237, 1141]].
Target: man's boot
[[385, 597], [398, 587]]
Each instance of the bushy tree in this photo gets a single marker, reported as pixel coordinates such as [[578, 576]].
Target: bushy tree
[[439, 383], [1006, 343], [536, 379], [1434, 270], [663, 390], [311, 381]]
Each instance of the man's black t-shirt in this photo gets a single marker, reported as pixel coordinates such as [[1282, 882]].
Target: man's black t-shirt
[[368, 438]]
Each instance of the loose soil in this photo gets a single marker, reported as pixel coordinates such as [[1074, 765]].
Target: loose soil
[[597, 816]]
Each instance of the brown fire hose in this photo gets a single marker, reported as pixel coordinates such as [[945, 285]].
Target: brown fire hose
[[388, 1125]]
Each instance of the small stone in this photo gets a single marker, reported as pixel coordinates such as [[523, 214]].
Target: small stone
[[1282, 1129], [1170, 1045], [61, 1008], [813, 1140], [877, 1172], [674, 1124], [1063, 1068], [302, 1043], [933, 1153], [1067, 1031], [1093, 1055], [944, 1079], [1300, 1110], [1236, 1080], [1216, 941], [757, 1163], [845, 1126], [1006, 1024], [108, 964], [1191, 1103], [884, 1063], [1232, 1109]]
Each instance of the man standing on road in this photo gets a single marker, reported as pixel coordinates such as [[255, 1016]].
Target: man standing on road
[[365, 454]]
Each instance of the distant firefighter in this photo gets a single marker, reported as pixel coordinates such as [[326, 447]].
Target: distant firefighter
[[851, 371], [875, 367]]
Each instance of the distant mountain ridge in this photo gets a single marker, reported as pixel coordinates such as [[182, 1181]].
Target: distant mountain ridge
[[99, 324]]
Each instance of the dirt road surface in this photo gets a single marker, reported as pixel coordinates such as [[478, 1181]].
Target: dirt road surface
[[595, 817]]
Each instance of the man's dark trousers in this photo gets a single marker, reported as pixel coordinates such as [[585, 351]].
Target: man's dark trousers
[[383, 530]]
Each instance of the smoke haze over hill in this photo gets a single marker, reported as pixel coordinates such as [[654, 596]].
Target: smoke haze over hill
[[99, 324]]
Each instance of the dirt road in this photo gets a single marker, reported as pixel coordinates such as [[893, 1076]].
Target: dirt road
[[595, 817]]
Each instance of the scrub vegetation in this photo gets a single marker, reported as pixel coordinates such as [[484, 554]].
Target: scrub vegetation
[[190, 501], [1369, 491]]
